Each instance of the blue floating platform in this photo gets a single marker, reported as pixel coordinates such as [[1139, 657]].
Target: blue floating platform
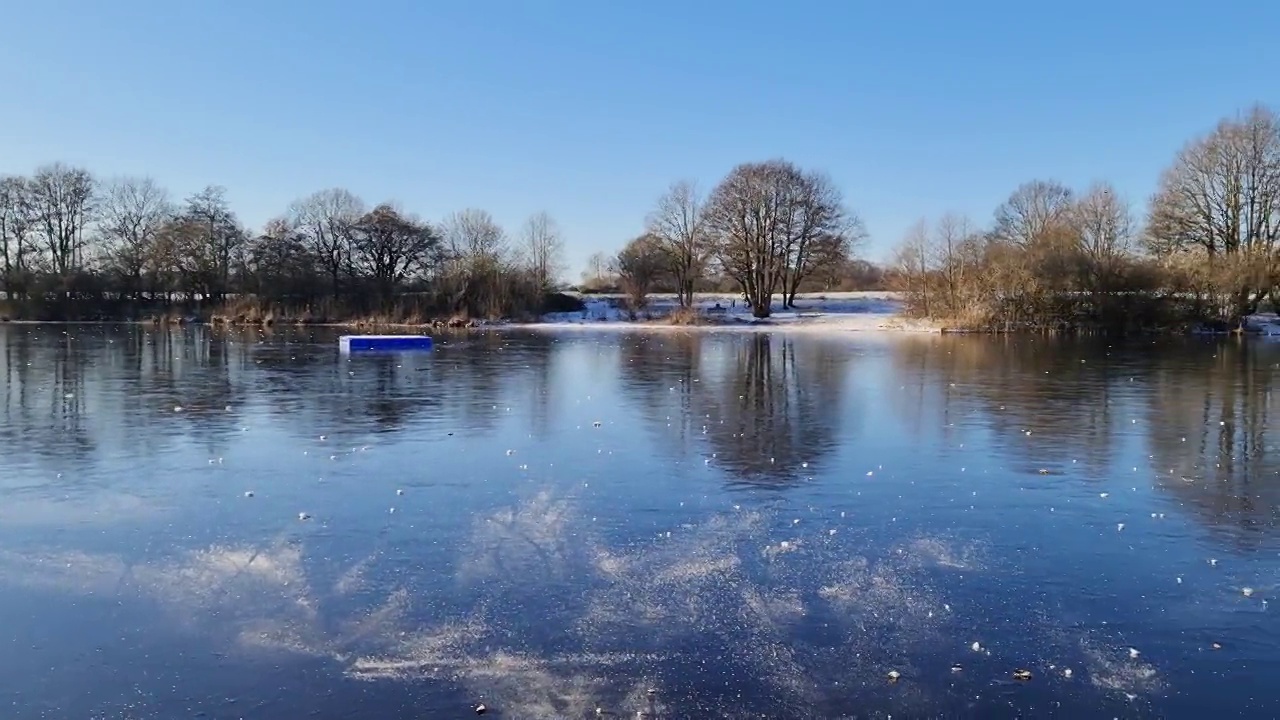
[[367, 343]]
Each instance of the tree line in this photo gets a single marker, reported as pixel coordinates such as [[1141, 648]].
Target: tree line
[[1054, 257], [73, 246], [76, 246], [767, 229]]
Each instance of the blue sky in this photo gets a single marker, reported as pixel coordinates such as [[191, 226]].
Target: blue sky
[[588, 110]]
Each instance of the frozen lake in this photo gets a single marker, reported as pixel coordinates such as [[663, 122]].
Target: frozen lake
[[241, 525]]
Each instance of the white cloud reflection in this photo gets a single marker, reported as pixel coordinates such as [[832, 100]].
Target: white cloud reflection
[[821, 622]]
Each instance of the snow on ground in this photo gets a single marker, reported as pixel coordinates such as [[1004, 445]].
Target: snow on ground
[[1267, 324], [821, 312], [1264, 324]]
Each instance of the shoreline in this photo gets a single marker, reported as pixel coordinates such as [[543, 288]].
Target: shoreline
[[805, 321], [817, 322]]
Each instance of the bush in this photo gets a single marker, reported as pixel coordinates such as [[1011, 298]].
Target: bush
[[558, 302], [684, 316]]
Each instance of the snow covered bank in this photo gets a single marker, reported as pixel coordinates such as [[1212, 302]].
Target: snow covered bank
[[1265, 324], [814, 312]]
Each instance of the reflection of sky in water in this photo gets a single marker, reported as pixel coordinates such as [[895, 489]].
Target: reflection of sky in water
[[757, 525]]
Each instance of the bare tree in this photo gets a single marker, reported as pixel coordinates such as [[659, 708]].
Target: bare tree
[[131, 214], [823, 233], [677, 225], [280, 262], [746, 215], [475, 249], [912, 260], [1032, 212], [61, 198], [765, 219], [823, 255], [543, 249], [179, 258], [597, 273], [639, 265], [390, 247], [222, 240], [1221, 201], [952, 232], [474, 237], [1103, 224], [17, 221], [326, 221]]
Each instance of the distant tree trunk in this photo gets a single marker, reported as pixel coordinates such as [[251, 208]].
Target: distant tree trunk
[[678, 225]]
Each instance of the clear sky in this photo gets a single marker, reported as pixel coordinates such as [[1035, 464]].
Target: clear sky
[[590, 108]]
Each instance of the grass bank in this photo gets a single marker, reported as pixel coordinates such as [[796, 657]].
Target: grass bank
[[253, 312]]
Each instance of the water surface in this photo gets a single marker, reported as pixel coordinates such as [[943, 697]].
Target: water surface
[[682, 525]]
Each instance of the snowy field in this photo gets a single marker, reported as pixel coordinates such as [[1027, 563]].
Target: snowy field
[[814, 312]]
